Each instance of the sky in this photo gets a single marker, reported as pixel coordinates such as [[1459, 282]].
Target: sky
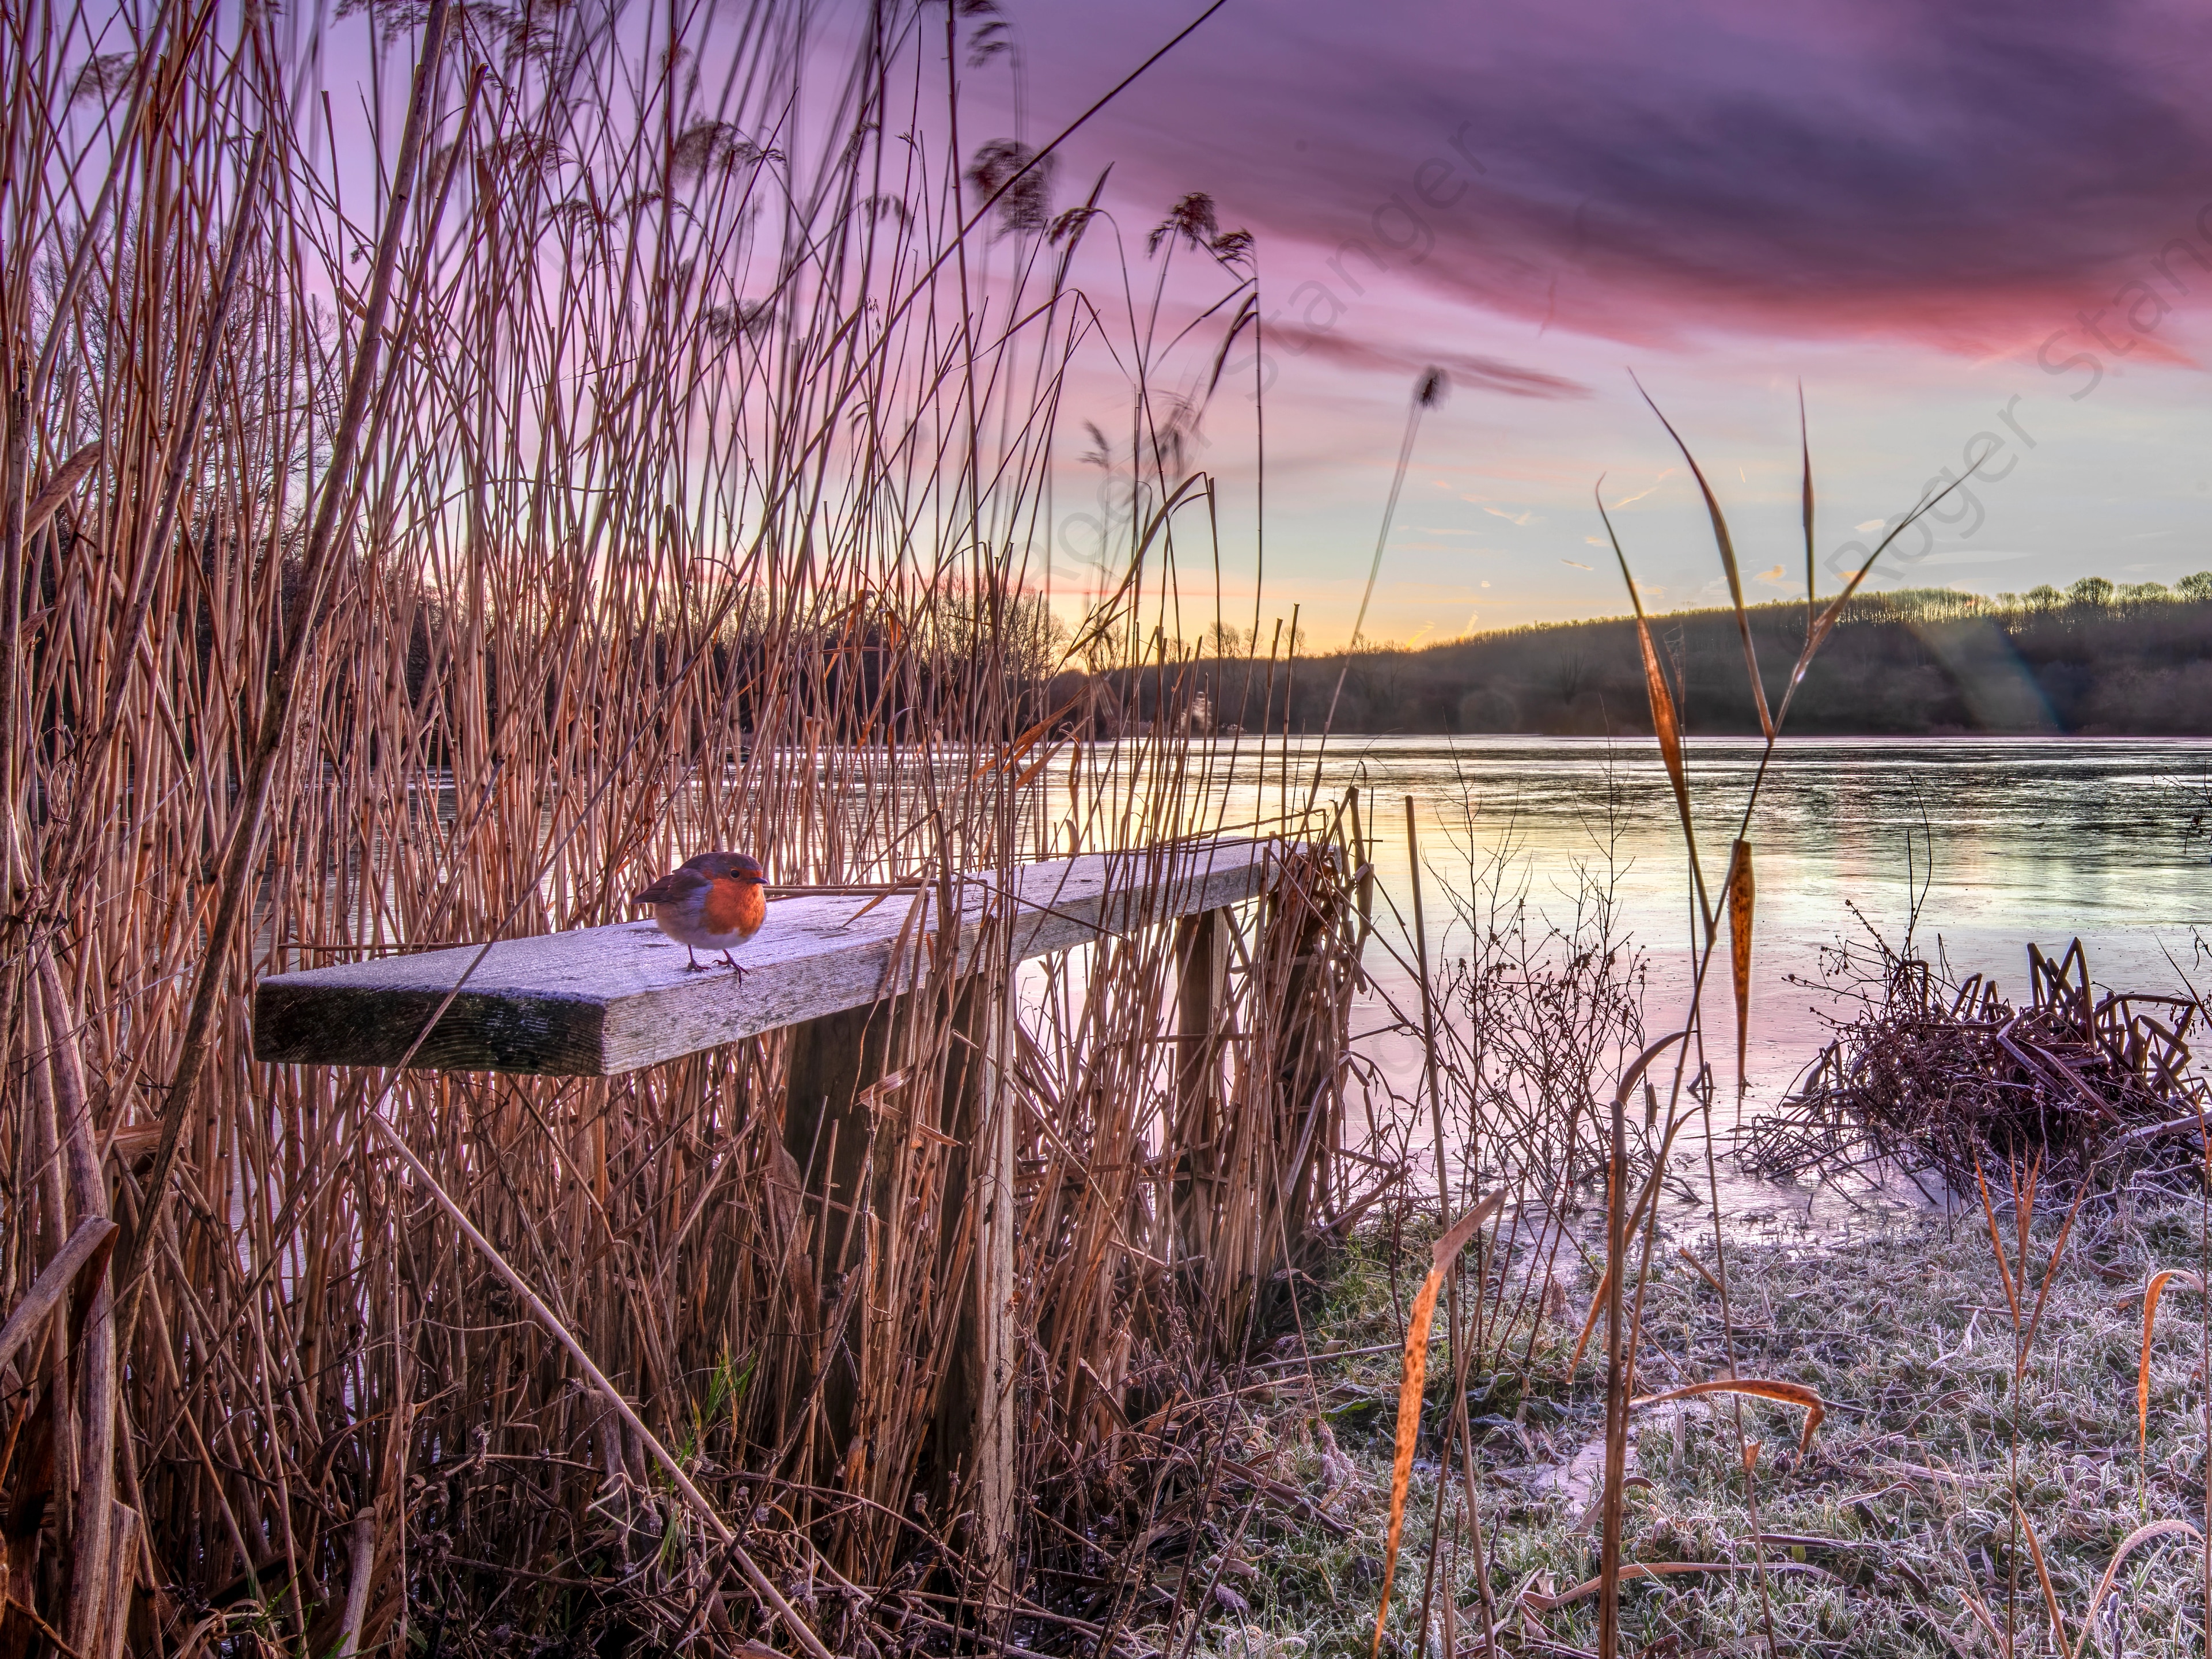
[[1974, 233]]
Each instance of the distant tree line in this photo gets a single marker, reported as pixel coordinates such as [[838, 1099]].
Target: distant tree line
[[2096, 659]]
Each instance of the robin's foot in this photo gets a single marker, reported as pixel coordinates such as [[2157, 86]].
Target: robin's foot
[[735, 967], [693, 965]]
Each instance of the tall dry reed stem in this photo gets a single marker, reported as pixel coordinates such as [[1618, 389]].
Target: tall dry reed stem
[[1735, 908]]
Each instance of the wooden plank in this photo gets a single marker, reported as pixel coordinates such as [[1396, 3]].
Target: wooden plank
[[596, 1001]]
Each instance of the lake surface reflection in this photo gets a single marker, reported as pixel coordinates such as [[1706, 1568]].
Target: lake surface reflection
[[2003, 842]]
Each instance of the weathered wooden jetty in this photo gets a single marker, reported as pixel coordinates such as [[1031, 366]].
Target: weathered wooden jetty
[[895, 1009]]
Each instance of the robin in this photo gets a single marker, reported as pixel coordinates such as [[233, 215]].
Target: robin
[[711, 903]]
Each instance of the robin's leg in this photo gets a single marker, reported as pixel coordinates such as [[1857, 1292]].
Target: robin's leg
[[692, 964], [735, 967]]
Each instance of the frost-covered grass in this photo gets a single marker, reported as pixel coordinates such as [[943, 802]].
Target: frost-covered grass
[[1881, 1538]]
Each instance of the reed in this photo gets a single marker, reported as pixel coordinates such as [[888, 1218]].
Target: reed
[[622, 433]]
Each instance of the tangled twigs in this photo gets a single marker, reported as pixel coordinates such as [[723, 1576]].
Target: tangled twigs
[[1935, 1075]]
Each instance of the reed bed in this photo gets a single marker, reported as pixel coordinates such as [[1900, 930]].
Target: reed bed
[[426, 519]]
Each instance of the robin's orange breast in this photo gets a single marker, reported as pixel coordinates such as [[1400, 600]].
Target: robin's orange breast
[[734, 906]]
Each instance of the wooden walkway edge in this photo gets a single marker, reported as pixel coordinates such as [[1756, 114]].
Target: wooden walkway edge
[[599, 1001]]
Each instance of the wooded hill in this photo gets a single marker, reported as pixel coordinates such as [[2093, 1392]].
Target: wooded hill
[[2096, 661]]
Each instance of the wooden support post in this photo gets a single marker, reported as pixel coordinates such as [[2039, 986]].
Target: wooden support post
[[827, 1132], [1201, 955], [832, 1134], [975, 1405], [1202, 976], [1309, 1026], [834, 1060]]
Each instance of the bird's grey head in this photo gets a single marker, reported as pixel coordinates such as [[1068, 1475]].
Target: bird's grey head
[[733, 866]]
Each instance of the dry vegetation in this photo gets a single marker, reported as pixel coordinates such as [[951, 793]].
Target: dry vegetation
[[1749, 1538], [1947, 1079], [639, 455], [425, 521]]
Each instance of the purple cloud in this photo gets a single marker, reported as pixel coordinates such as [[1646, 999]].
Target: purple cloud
[[1953, 170]]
